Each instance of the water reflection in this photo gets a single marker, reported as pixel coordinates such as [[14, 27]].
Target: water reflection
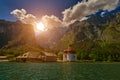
[[59, 71]]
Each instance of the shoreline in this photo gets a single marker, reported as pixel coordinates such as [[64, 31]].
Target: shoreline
[[82, 62]]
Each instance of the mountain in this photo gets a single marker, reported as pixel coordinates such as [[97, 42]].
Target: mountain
[[105, 28], [97, 38], [50, 38], [16, 35], [8, 31]]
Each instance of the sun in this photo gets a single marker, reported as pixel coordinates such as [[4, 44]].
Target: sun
[[40, 26]]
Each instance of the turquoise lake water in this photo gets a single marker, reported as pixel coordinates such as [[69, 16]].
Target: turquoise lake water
[[59, 71]]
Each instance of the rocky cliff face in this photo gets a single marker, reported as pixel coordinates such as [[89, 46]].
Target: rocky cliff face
[[8, 31], [13, 34], [50, 38], [83, 34]]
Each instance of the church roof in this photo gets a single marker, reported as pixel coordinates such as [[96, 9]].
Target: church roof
[[69, 51]]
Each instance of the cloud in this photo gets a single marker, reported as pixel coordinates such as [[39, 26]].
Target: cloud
[[70, 15], [23, 16], [86, 8], [51, 21]]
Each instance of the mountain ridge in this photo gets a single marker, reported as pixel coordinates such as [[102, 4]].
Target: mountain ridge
[[95, 28], [91, 38]]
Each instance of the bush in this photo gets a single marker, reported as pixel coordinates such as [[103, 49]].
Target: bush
[[12, 52], [83, 55], [60, 55]]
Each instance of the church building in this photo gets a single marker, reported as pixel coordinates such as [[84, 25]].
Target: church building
[[69, 54]]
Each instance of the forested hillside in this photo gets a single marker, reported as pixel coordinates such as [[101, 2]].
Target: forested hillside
[[97, 38]]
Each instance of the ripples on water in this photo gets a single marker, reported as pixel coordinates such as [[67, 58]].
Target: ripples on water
[[59, 71]]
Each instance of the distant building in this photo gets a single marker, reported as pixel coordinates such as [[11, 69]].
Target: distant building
[[69, 54], [37, 57], [3, 58], [49, 57]]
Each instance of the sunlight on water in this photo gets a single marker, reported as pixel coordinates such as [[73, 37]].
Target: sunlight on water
[[59, 71]]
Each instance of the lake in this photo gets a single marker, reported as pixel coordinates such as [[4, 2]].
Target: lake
[[59, 71]]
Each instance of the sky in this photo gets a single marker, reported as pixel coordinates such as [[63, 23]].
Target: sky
[[54, 13], [38, 8]]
